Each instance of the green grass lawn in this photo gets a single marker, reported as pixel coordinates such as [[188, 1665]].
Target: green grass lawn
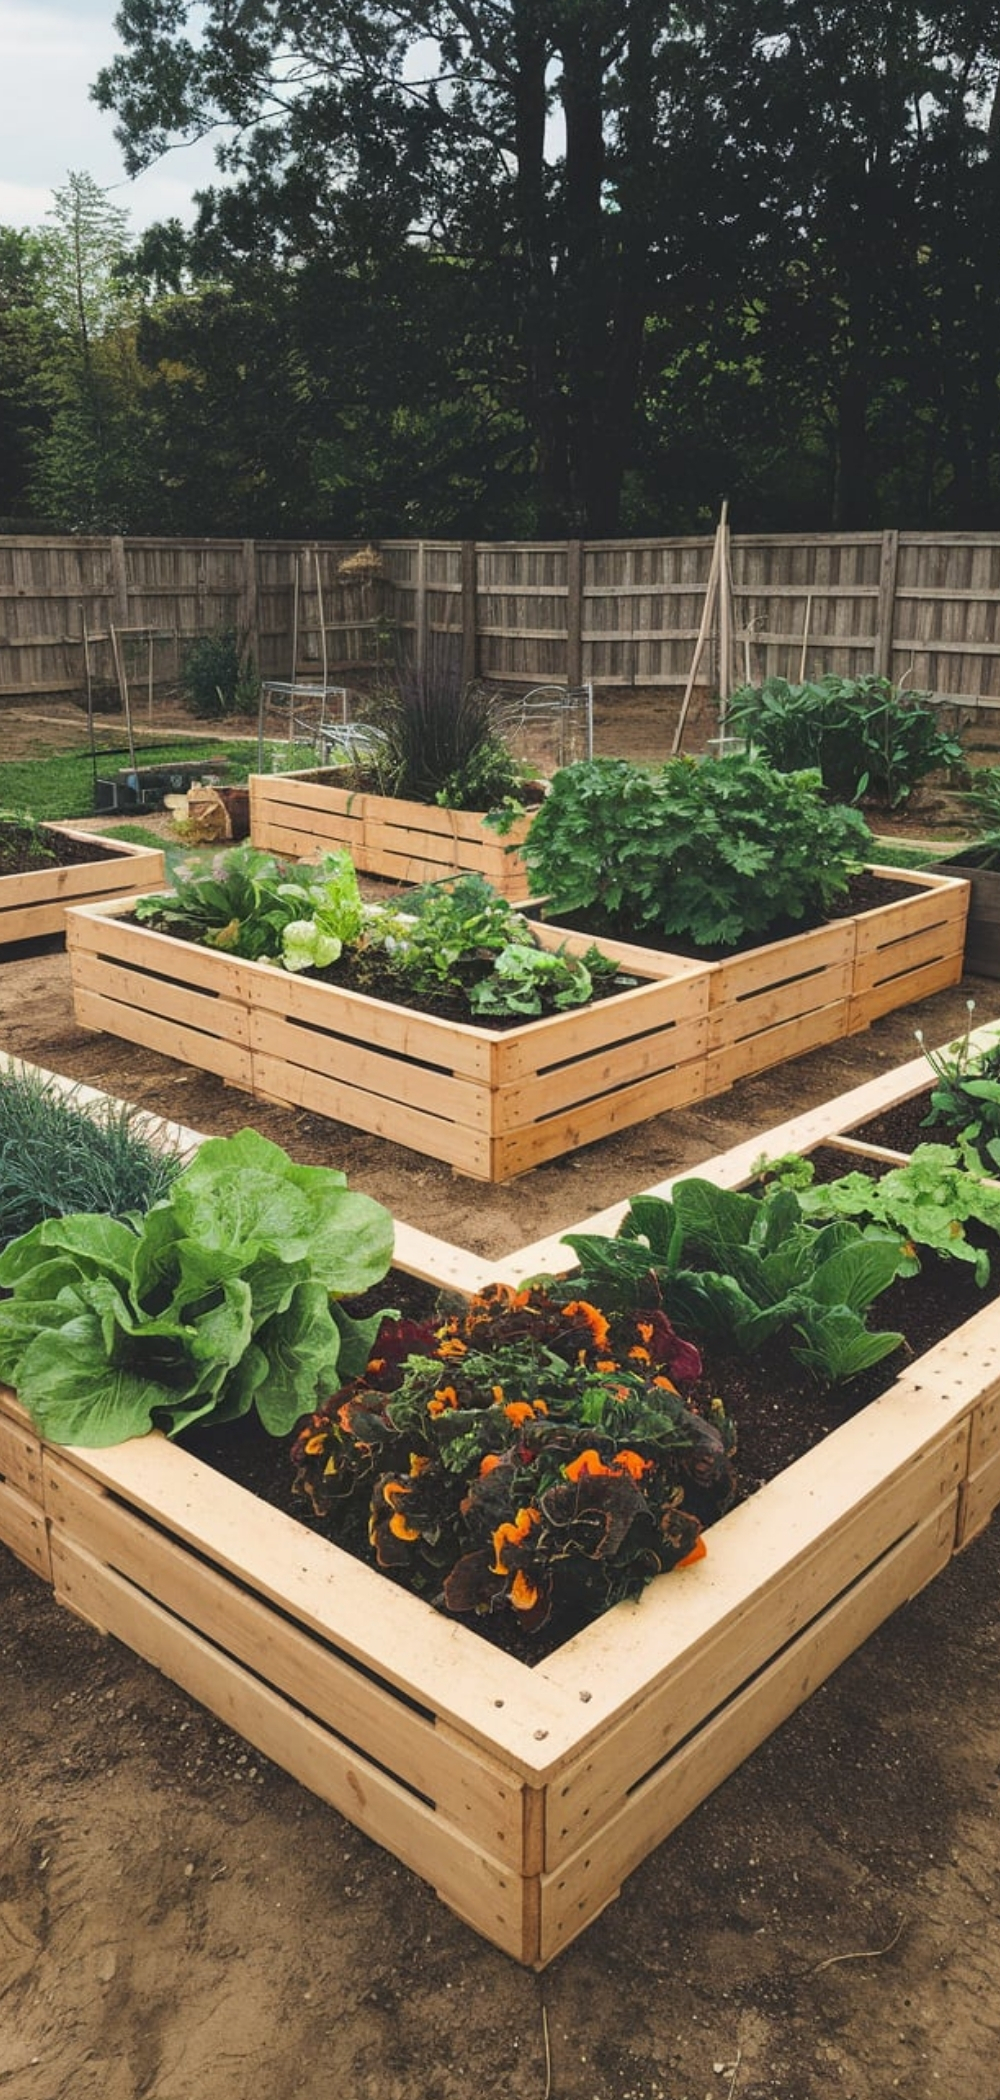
[[62, 786]]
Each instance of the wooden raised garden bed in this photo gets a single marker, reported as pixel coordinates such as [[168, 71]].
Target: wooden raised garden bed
[[524, 1796], [34, 904], [491, 1104], [785, 997], [494, 1104], [300, 815], [982, 935]]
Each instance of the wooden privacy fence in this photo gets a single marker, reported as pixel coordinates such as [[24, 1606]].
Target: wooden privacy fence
[[923, 608]]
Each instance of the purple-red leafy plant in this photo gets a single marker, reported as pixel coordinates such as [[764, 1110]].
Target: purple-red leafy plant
[[521, 1460]]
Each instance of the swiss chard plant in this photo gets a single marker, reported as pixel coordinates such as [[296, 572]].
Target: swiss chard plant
[[743, 1271], [221, 1298], [521, 1458], [869, 739], [715, 851]]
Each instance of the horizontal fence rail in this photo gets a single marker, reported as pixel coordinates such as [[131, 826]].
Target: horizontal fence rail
[[81, 614]]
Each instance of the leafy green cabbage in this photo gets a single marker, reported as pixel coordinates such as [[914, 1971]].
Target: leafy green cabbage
[[222, 1298]]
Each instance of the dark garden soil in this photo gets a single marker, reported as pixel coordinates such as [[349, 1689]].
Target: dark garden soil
[[23, 849], [181, 1921]]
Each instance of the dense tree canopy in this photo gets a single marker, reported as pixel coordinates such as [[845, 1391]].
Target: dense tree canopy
[[536, 266]]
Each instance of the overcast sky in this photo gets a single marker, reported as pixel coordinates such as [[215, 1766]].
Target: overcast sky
[[50, 53]]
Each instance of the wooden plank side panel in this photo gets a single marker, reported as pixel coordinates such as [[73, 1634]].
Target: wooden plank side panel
[[105, 930], [904, 990], [454, 1097], [895, 962], [774, 1611], [581, 1887], [560, 1039], [20, 1450], [607, 1072], [940, 902], [773, 1045], [170, 1038], [740, 1021], [34, 904], [24, 1531], [466, 1787], [487, 1895], [345, 1018], [295, 1086], [411, 857], [782, 963], [980, 1499], [516, 1151]]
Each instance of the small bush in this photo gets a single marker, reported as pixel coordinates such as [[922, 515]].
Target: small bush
[[868, 740], [218, 676]]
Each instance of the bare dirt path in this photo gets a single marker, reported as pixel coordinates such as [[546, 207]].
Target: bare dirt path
[[180, 1920]]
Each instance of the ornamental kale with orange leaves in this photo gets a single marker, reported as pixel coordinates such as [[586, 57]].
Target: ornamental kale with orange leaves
[[522, 1459]]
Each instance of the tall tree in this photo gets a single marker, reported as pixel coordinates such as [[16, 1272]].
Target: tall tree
[[510, 135], [88, 377]]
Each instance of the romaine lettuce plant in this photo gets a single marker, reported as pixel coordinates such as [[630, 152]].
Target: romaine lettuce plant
[[222, 1298]]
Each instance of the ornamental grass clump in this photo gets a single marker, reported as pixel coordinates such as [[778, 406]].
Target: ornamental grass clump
[[715, 851], [437, 740], [522, 1461], [60, 1153]]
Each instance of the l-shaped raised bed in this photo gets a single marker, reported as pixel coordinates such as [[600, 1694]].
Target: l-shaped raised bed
[[525, 1796]]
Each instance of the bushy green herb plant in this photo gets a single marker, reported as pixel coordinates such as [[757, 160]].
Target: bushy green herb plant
[[867, 738], [218, 676], [466, 939], [927, 1204], [61, 1153], [743, 1271], [220, 1299], [521, 1458], [714, 852]]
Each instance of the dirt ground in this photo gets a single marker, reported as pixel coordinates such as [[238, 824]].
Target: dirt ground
[[179, 1919]]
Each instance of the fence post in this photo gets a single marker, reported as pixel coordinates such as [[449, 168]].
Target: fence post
[[886, 612], [420, 608], [574, 612], [248, 601], [119, 583], [470, 607]]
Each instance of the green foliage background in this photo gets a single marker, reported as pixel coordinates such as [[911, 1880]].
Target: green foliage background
[[520, 267]]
